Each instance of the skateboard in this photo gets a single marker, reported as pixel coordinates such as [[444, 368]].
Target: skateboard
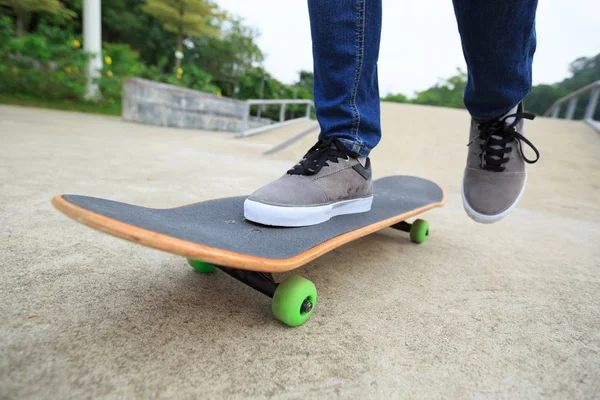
[[214, 234]]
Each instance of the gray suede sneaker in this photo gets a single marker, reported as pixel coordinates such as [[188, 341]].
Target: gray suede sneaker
[[495, 176], [330, 180]]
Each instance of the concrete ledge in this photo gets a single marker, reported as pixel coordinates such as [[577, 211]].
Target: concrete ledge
[[160, 104]]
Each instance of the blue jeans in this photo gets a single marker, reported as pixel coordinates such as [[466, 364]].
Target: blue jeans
[[498, 41]]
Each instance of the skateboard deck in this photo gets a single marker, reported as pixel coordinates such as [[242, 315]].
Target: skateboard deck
[[215, 231], [215, 234]]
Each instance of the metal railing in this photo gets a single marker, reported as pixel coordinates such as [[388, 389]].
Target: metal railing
[[594, 87], [246, 131]]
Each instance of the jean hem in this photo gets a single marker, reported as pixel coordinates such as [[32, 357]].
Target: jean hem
[[356, 147], [495, 115]]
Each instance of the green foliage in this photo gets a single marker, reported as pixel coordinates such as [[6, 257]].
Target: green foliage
[[446, 93], [6, 31], [396, 98], [50, 6], [228, 57], [139, 45], [196, 78], [584, 71], [189, 17], [121, 62], [124, 22], [50, 65], [185, 18], [23, 9], [249, 87], [45, 65], [542, 97], [306, 81]]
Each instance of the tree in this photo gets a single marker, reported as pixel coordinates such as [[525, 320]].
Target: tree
[[124, 22], [448, 93], [185, 18], [229, 56], [306, 80], [584, 71], [396, 98], [23, 9]]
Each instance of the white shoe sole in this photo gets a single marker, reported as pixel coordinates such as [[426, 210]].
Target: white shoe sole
[[266, 214], [484, 218]]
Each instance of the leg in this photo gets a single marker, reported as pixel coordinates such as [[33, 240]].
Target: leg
[[345, 37], [498, 40]]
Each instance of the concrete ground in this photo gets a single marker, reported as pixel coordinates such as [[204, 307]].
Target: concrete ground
[[510, 310]]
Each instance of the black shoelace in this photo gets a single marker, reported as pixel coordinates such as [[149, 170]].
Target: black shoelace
[[320, 155], [496, 134]]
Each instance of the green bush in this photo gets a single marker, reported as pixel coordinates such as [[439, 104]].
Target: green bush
[[47, 65], [50, 65], [121, 62]]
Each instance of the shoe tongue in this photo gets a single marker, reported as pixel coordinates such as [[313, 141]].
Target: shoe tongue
[[510, 120], [507, 122]]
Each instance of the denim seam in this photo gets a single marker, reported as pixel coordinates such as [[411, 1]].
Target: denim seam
[[360, 40], [355, 146]]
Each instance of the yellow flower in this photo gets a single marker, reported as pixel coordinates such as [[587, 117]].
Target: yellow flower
[[68, 70], [15, 70], [75, 43], [109, 73], [219, 93], [179, 71], [108, 60]]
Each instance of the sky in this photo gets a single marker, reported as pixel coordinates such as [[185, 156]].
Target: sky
[[420, 44]]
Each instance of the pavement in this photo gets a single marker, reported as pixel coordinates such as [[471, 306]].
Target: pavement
[[510, 310]]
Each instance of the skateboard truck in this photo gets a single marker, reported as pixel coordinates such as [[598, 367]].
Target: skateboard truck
[[402, 226], [264, 283], [418, 230], [293, 300], [261, 281]]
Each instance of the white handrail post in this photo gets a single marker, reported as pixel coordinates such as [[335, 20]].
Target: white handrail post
[[245, 118], [592, 103], [282, 113], [246, 130], [555, 111], [571, 109]]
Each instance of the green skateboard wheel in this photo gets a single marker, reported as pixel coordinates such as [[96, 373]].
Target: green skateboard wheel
[[419, 231], [201, 266], [294, 301]]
